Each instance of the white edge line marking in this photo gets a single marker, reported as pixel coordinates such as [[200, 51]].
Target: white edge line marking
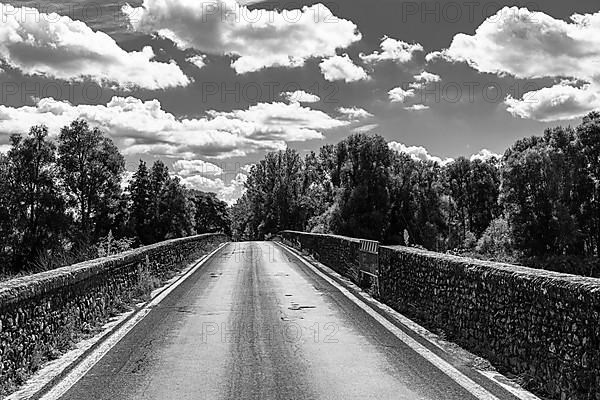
[[92, 359], [467, 383], [517, 391]]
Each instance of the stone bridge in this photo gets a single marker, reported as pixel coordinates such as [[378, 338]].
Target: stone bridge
[[306, 316]]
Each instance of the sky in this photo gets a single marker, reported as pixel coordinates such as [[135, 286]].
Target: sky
[[210, 86]]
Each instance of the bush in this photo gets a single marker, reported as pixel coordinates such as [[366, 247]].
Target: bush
[[496, 240], [109, 246]]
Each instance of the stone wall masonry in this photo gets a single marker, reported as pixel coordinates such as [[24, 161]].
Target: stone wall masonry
[[340, 253], [39, 313], [541, 325]]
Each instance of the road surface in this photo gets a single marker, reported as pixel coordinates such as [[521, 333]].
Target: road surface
[[255, 323]]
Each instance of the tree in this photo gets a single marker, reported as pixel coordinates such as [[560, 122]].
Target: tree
[[36, 207], [543, 192], [363, 198], [589, 136], [275, 194], [474, 188], [141, 201], [177, 211], [159, 180], [241, 218], [7, 205], [429, 225], [91, 168], [211, 213], [403, 200]]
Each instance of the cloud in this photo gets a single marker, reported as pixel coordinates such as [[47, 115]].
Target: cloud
[[226, 183], [198, 61], [186, 168], [354, 113], [365, 128], [399, 95], [247, 168], [530, 45], [417, 107], [427, 77], [559, 102], [229, 191], [485, 155], [392, 50], [144, 127], [257, 38], [418, 153], [56, 46], [300, 96], [339, 68], [552, 47]]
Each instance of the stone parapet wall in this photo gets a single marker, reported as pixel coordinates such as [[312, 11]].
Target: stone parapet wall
[[39, 313], [340, 253], [542, 326]]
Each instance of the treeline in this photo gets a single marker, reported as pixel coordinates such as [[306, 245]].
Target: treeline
[[541, 199], [60, 199]]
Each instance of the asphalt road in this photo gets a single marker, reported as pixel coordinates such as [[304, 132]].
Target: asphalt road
[[254, 323]]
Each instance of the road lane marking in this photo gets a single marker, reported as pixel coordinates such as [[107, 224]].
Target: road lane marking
[[516, 390], [92, 359], [464, 381]]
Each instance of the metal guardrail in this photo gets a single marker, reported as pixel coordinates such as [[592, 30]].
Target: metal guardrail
[[369, 261]]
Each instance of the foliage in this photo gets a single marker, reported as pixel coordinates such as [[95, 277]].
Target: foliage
[[363, 196], [496, 240], [539, 204], [548, 195], [108, 246], [161, 208], [34, 209], [62, 201], [91, 167], [211, 214]]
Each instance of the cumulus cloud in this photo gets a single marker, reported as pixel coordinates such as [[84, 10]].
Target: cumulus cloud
[[399, 95], [552, 47], [427, 77], [527, 45], [198, 61], [417, 107], [339, 68], [186, 168], [300, 96], [559, 102], [392, 50], [144, 127], [485, 155], [418, 153], [354, 113], [225, 180], [257, 38], [56, 46], [228, 191]]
